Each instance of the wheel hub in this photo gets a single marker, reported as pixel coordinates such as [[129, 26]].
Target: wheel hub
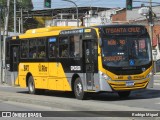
[[79, 89], [31, 86]]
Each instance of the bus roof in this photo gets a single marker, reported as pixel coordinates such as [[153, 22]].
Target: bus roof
[[47, 29], [40, 32], [117, 25]]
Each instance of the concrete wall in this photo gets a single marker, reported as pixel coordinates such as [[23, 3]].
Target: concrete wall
[[134, 15], [120, 16]]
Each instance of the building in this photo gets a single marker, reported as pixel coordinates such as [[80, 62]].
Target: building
[[89, 16]]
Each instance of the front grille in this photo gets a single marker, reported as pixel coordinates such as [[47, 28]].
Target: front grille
[[121, 85], [127, 72]]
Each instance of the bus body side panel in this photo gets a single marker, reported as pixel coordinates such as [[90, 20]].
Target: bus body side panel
[[96, 82], [39, 71], [84, 82], [103, 85], [21, 80], [46, 76], [70, 76], [53, 76], [58, 79]]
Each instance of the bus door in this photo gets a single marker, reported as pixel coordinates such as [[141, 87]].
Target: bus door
[[88, 53], [14, 57], [14, 60]]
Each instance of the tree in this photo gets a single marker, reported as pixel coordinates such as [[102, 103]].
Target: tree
[[24, 4]]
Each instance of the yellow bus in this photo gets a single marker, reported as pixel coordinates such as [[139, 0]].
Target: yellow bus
[[89, 59]]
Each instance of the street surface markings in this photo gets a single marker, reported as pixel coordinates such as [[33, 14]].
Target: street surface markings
[[156, 83], [9, 86], [33, 106], [5, 86]]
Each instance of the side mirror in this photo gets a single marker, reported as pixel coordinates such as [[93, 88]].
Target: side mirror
[[100, 42], [154, 54]]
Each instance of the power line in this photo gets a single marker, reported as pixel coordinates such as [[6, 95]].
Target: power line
[[89, 3], [146, 2]]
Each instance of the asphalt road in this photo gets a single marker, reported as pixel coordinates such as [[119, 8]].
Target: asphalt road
[[30, 108], [18, 99], [25, 108]]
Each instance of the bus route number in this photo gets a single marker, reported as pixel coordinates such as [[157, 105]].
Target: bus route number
[[75, 68], [42, 68], [26, 67]]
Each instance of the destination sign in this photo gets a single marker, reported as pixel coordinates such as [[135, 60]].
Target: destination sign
[[115, 42], [76, 31], [113, 58], [125, 30]]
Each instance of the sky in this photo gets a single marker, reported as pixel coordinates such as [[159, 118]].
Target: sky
[[39, 4]]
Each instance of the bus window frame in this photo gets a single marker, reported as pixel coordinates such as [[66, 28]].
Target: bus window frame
[[68, 36], [8, 48], [42, 45], [22, 40], [30, 41], [60, 44], [79, 45], [28, 46], [56, 47]]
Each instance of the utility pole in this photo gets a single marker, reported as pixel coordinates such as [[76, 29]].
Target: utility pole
[[21, 9], [151, 23], [147, 11], [4, 40], [76, 10], [14, 16], [0, 46]]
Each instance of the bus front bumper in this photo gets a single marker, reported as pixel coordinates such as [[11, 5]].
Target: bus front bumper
[[118, 85]]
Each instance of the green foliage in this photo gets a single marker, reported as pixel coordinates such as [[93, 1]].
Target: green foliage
[[2, 2], [24, 4]]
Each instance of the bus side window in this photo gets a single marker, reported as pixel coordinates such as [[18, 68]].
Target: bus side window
[[52, 47], [63, 47], [32, 48], [63, 50], [142, 48], [74, 46], [41, 48], [24, 49]]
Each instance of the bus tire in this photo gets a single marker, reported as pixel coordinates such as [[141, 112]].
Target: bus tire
[[78, 89], [31, 85], [124, 94]]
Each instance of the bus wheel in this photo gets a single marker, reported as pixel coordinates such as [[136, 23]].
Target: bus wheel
[[78, 89], [124, 94], [31, 86]]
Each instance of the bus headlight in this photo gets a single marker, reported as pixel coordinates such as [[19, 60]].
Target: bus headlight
[[150, 75], [104, 76]]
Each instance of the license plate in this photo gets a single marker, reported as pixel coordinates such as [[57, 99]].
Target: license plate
[[129, 83]]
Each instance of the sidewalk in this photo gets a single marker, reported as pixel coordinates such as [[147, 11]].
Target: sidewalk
[[157, 78]]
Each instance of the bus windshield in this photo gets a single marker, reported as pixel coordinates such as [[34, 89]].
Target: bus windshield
[[126, 51]]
